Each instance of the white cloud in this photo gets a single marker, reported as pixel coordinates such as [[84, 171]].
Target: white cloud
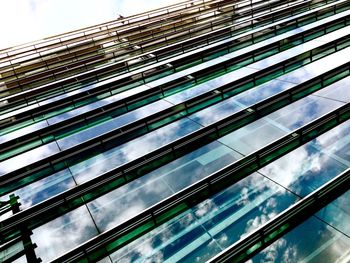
[[28, 20], [127, 7], [76, 227]]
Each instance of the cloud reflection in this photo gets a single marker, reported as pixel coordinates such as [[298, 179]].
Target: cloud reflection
[[63, 234], [131, 150], [312, 241], [313, 164], [203, 231]]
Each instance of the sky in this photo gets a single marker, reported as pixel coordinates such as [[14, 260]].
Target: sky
[[28, 20]]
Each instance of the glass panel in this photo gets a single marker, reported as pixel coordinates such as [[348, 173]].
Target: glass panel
[[134, 149], [337, 214], [96, 104], [7, 214], [216, 112], [247, 98], [132, 198], [263, 131], [63, 233], [22, 259], [113, 124], [209, 85], [18, 126], [302, 112], [313, 164], [105, 260], [262, 92], [45, 188], [314, 69], [312, 241], [282, 56], [125, 202], [11, 251], [60, 97], [199, 233], [340, 91], [19, 111], [253, 136], [168, 79], [28, 158], [73, 113], [23, 131]]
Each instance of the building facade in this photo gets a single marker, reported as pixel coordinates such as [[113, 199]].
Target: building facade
[[211, 130]]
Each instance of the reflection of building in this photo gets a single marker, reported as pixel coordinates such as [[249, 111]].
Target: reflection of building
[[207, 130]]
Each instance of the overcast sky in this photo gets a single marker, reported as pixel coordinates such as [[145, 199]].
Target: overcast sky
[[27, 20]]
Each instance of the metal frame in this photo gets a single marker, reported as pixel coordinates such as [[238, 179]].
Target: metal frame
[[118, 36], [199, 191], [88, 92], [118, 65], [24, 237], [69, 199], [15, 142], [104, 139], [155, 64], [76, 34]]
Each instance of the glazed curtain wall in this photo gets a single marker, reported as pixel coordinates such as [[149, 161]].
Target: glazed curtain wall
[[200, 134]]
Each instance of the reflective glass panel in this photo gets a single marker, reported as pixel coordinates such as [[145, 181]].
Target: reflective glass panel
[[337, 214], [127, 201], [340, 91], [45, 188], [313, 164], [23, 131], [136, 148], [247, 98], [281, 122], [262, 92], [27, 158], [209, 85], [202, 232], [63, 233], [312, 241], [319, 67], [113, 124]]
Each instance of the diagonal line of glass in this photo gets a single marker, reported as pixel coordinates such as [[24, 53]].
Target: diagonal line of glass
[[204, 131]]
